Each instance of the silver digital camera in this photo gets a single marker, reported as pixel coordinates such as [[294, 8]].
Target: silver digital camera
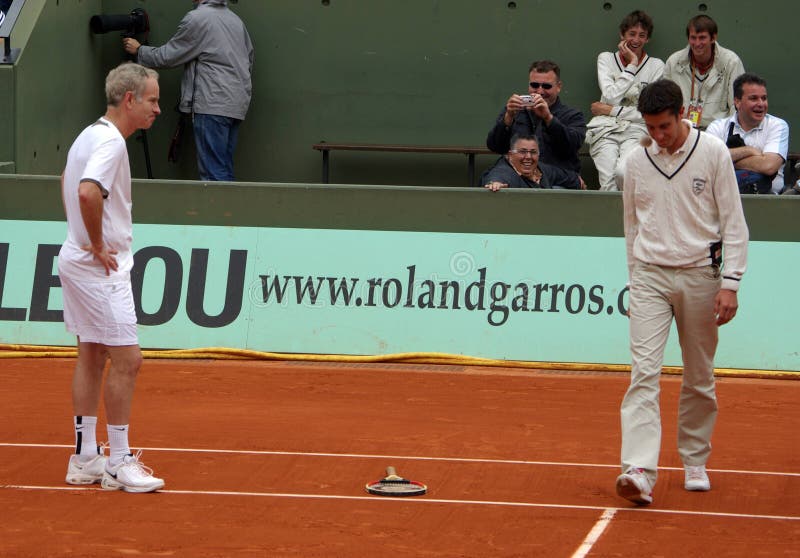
[[526, 99]]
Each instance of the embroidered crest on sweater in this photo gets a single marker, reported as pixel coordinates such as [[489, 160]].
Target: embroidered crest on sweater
[[698, 185]]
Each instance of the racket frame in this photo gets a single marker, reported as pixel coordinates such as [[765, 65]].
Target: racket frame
[[392, 479]]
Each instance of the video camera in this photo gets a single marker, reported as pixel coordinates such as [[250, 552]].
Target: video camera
[[130, 24]]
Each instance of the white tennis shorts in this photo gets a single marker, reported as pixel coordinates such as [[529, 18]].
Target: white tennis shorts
[[100, 312]]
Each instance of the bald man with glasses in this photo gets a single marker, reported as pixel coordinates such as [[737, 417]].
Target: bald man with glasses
[[559, 129]]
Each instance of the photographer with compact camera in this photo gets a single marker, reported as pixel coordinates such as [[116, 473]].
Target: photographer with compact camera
[[758, 142], [559, 129], [215, 49]]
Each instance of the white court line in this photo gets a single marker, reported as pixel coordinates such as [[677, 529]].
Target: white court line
[[419, 500], [408, 457], [594, 534]]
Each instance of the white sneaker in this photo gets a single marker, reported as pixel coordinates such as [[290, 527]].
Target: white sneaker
[[86, 471], [634, 485], [131, 476], [696, 478]]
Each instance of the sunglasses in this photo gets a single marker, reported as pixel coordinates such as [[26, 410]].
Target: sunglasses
[[537, 85]]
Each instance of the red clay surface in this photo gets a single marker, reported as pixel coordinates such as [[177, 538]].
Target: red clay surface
[[270, 459]]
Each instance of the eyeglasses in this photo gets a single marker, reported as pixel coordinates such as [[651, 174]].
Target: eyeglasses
[[537, 85], [524, 152]]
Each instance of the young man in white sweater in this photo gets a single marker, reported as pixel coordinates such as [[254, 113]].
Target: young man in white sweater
[[681, 207], [617, 126]]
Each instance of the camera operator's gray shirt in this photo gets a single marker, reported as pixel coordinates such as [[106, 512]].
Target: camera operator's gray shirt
[[215, 48]]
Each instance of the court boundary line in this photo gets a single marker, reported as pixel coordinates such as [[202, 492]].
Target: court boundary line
[[417, 501], [407, 457], [595, 533]]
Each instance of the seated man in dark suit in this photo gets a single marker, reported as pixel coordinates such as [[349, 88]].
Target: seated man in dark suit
[[520, 168], [559, 129]]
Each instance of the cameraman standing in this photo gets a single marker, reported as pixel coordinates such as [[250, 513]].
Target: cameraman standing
[[215, 49]]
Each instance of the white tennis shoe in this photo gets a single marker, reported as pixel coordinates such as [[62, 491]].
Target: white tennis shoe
[[131, 476], [634, 485], [696, 478], [86, 471]]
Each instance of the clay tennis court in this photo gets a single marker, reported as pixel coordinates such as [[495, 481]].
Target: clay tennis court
[[271, 458]]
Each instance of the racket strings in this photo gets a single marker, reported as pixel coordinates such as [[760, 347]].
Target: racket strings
[[396, 487]]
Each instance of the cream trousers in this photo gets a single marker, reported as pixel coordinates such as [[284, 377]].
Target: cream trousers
[[608, 153], [657, 295]]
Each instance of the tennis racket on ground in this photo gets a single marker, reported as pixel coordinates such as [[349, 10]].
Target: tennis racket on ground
[[394, 485]]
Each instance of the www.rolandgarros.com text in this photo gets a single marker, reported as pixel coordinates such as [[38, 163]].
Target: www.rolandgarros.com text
[[499, 299]]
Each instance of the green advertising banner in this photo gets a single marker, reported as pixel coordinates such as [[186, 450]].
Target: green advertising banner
[[534, 298]]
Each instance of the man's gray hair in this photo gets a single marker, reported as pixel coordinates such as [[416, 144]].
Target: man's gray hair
[[127, 77]]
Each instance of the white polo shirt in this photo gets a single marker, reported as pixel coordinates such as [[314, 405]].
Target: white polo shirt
[[770, 136], [98, 155]]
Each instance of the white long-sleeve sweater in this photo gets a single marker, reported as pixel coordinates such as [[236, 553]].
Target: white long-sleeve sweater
[[620, 86], [678, 206]]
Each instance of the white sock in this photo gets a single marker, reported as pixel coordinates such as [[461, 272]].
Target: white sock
[[85, 435], [118, 443]]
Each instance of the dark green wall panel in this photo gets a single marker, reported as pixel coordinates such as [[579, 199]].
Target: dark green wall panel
[[7, 128], [419, 71], [459, 210]]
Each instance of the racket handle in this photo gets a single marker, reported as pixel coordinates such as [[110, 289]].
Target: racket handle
[[391, 471]]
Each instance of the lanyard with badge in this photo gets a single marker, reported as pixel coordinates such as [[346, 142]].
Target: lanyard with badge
[[696, 102]]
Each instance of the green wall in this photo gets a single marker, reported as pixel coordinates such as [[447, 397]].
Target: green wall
[[379, 208], [7, 128], [420, 71], [56, 85]]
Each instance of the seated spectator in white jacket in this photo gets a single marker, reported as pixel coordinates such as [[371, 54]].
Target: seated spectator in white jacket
[[705, 71]]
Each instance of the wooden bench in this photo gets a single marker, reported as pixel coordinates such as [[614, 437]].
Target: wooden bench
[[470, 152], [325, 147]]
